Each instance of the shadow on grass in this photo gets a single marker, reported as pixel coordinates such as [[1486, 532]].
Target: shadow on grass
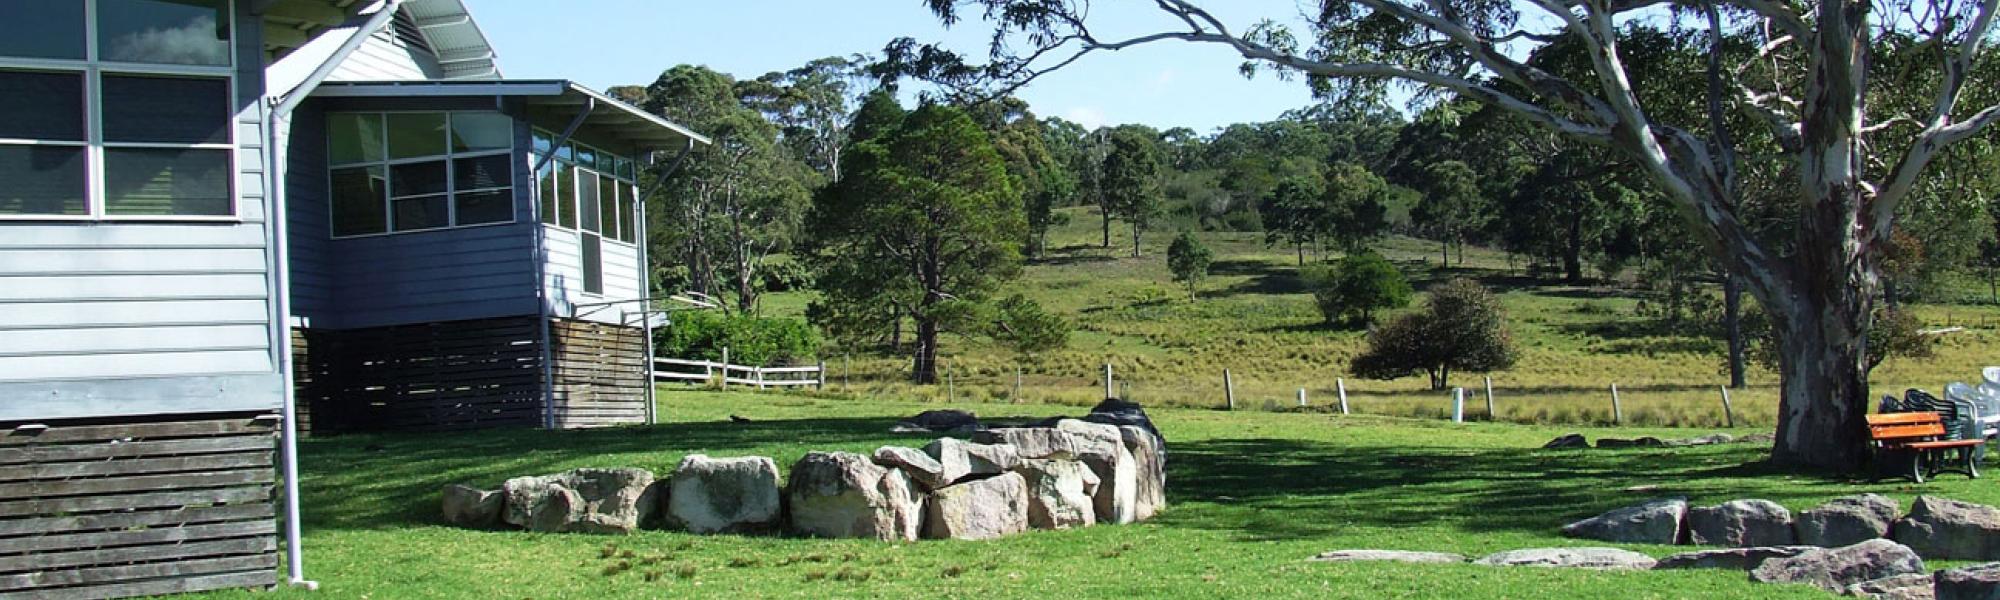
[[1264, 277]]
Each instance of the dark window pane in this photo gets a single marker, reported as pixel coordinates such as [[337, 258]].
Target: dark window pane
[[547, 195], [593, 264], [42, 180], [42, 28], [473, 132], [358, 201], [41, 106], [417, 179], [180, 32], [586, 157], [166, 109], [586, 201], [354, 138], [628, 226], [485, 207], [413, 135], [151, 181], [607, 202], [565, 195], [483, 172], [421, 213]]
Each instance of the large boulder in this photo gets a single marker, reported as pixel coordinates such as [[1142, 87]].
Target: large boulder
[[978, 510], [940, 421], [583, 500], [1059, 493], [1117, 498], [1913, 586], [1739, 559], [1149, 466], [1040, 442], [1834, 569], [921, 468], [467, 506], [1741, 523], [1652, 522], [1847, 520], [1113, 411], [961, 459], [1583, 558], [1401, 556], [710, 495], [845, 495], [1942, 528], [1977, 582]]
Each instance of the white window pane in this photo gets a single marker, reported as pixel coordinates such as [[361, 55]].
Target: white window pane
[[485, 207], [359, 201], [354, 138], [42, 28], [41, 106], [180, 32], [149, 181], [473, 132], [413, 135], [42, 180], [166, 109], [421, 213]]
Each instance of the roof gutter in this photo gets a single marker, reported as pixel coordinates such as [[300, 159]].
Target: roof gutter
[[280, 110]]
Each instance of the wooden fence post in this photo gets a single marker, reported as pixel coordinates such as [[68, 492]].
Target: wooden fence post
[[1229, 389], [1016, 398], [1490, 415], [820, 383], [1107, 381], [1302, 397], [1617, 411], [846, 364], [1341, 386], [725, 367], [1728, 415], [950, 389], [1459, 405]]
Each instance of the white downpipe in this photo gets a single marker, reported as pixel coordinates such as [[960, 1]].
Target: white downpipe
[[280, 108]]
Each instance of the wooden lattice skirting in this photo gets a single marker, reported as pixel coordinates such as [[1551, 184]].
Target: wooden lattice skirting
[[109, 508]]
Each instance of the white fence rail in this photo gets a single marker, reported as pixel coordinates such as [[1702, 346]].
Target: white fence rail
[[704, 371]]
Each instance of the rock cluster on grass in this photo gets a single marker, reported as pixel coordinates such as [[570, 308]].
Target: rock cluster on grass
[[1061, 474], [1577, 441]]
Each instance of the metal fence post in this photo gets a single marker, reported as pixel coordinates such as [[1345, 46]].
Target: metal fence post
[[1490, 414], [1728, 415], [1458, 405], [725, 367], [1341, 386], [1229, 389], [1617, 411], [1107, 381], [820, 383], [1302, 397]]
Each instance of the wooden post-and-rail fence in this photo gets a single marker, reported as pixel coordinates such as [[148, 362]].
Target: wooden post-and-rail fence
[[703, 371]]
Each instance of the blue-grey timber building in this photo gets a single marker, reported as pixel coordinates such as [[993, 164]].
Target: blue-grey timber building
[[225, 220]]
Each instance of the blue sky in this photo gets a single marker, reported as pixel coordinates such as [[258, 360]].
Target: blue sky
[[602, 43]]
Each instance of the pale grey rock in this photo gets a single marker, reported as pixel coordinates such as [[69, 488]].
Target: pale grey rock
[[467, 506], [1403, 556], [921, 468], [713, 495], [1581, 558], [1741, 523], [1847, 520], [1059, 493], [845, 495], [1655, 521], [1149, 469], [1740, 559], [1834, 569], [583, 500], [978, 510], [1914, 586], [1942, 528], [1977, 582]]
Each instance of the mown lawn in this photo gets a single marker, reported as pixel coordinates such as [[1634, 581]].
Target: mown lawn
[[1253, 494]]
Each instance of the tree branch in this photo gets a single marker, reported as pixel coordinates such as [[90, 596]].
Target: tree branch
[[1939, 132]]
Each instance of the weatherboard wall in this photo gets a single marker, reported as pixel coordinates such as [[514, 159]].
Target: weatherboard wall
[[117, 318]]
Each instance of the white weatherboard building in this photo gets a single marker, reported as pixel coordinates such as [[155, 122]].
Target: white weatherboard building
[[221, 220]]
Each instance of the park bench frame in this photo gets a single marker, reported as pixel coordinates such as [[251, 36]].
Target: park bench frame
[[1921, 436]]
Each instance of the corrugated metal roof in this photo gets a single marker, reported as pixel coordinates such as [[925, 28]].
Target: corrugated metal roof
[[454, 37]]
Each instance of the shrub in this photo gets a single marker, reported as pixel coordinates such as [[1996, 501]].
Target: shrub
[[1189, 261], [1462, 328], [751, 340], [1353, 288]]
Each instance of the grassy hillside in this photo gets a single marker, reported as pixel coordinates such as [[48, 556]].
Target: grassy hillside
[[1252, 494], [1255, 320]]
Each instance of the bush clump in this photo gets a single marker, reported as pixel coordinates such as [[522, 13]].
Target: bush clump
[[1352, 289], [751, 340], [1461, 329]]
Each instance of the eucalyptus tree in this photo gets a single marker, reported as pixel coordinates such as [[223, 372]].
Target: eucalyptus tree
[[1808, 83], [813, 106], [1131, 179]]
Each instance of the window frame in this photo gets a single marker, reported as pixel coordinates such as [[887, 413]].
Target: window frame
[[96, 197], [450, 160], [628, 189]]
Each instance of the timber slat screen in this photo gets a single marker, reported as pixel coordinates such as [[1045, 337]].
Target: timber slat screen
[[600, 373], [434, 376], [110, 510]]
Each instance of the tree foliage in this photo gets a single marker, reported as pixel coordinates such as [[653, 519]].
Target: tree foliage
[[1189, 259], [1131, 180], [1461, 328], [1351, 289]]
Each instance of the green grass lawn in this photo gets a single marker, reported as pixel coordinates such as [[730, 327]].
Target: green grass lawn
[[1253, 495]]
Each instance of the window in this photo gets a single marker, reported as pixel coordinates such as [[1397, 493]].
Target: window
[[157, 74], [593, 264], [587, 189], [399, 172]]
